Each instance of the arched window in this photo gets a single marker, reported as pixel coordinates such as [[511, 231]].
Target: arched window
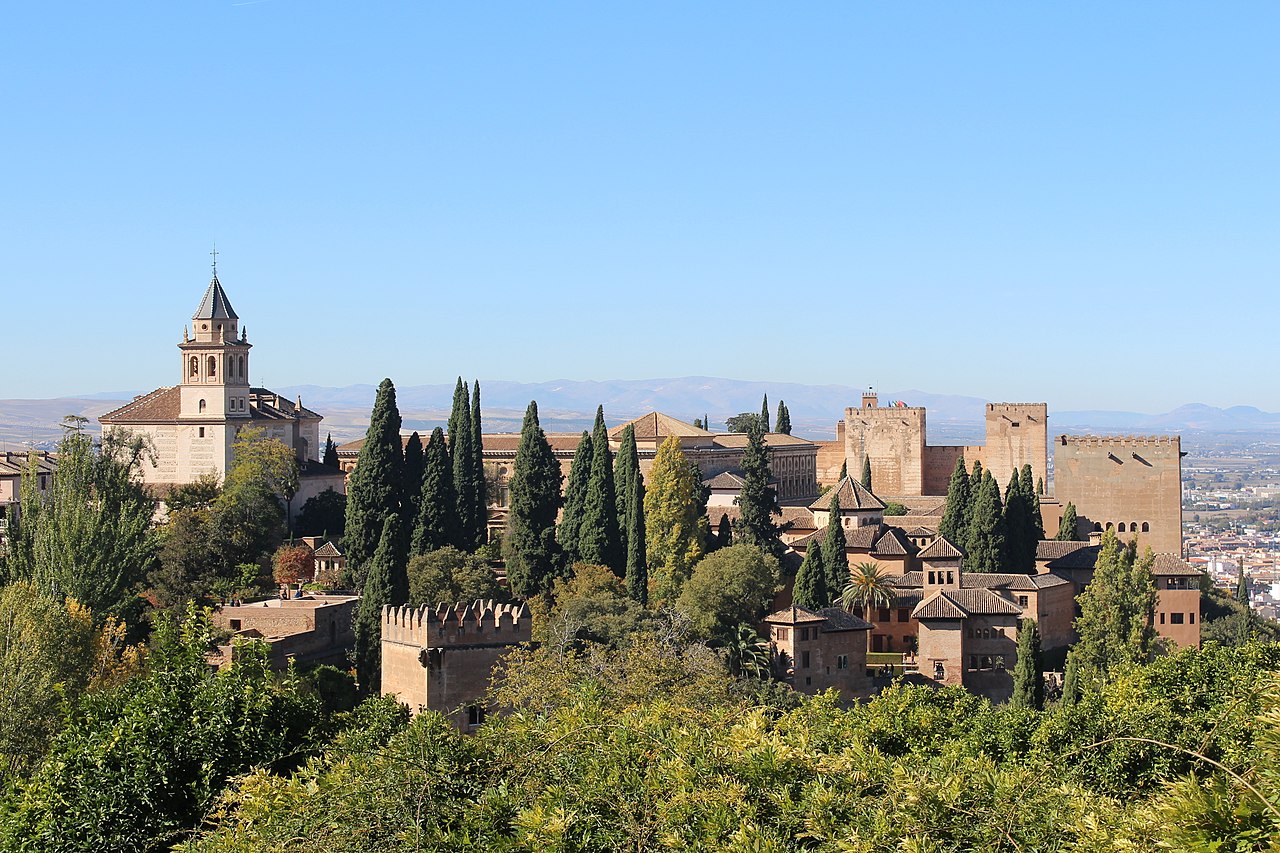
[[1133, 527], [1146, 527], [213, 366], [202, 405], [1121, 528], [240, 369], [1110, 525], [195, 366], [1097, 526]]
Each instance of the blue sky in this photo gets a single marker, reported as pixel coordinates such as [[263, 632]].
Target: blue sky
[[1072, 202]]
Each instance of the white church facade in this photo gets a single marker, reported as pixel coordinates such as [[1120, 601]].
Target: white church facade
[[194, 424]]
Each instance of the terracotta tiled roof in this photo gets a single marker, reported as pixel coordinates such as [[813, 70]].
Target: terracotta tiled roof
[[852, 494], [265, 404], [1053, 549], [656, 425], [857, 538], [15, 463], [893, 544], [941, 549], [989, 580], [771, 439], [839, 619], [162, 404], [328, 549], [793, 615], [509, 442], [1172, 565], [724, 480], [1079, 558], [922, 532], [939, 606]]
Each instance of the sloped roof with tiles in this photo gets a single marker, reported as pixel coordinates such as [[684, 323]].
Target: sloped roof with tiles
[[215, 305], [1168, 565], [942, 549], [839, 619], [793, 616], [162, 404], [1054, 549], [724, 480], [989, 580], [893, 544], [939, 606], [962, 603], [852, 494], [771, 439], [656, 425]]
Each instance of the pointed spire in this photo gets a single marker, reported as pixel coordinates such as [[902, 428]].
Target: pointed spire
[[215, 305]]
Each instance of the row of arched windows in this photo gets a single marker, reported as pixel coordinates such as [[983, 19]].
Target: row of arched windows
[[235, 367], [1131, 527]]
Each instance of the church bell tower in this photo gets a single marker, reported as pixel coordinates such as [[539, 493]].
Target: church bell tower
[[215, 361]]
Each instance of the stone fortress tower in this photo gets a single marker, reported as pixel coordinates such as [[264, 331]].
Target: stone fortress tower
[[903, 464]]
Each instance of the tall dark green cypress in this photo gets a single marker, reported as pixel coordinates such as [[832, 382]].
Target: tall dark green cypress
[[783, 424], [464, 475], [1242, 588], [375, 489], [600, 536], [724, 532], [975, 483], [477, 465], [575, 495], [1017, 525], [834, 558], [866, 472], [386, 583], [529, 546], [1028, 677], [436, 524], [764, 413], [1067, 525], [1033, 506], [330, 456], [637, 559], [844, 470], [626, 465], [986, 544], [757, 502], [414, 465], [810, 590], [955, 517]]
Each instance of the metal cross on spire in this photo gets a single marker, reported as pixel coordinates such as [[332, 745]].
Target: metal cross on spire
[[215, 259]]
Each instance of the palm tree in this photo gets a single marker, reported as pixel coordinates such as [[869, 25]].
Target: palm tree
[[746, 655], [868, 587]]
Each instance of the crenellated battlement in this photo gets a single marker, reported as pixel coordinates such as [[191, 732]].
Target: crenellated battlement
[[481, 622], [1017, 407], [1120, 440]]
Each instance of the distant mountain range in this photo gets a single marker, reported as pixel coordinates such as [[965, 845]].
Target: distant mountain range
[[569, 405]]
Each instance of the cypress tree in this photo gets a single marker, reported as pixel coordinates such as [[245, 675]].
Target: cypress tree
[[1039, 487], [810, 588], [986, 541], [626, 466], [1067, 527], [866, 471], [436, 524], [1242, 586], [783, 424], [697, 422], [386, 582], [844, 470], [834, 559], [764, 413], [600, 536], [330, 456], [757, 501], [1028, 677], [464, 475], [955, 517], [1032, 498], [481, 531], [575, 495], [376, 486], [529, 546], [1017, 524], [414, 466], [1071, 679], [637, 576], [975, 484], [724, 532]]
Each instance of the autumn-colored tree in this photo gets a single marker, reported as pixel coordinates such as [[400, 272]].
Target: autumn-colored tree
[[672, 526], [293, 564]]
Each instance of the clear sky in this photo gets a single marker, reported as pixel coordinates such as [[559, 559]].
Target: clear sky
[[1072, 202]]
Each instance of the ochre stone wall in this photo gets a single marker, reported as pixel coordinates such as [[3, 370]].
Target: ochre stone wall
[[1017, 434], [1123, 480], [942, 641], [1172, 604], [939, 461], [893, 438]]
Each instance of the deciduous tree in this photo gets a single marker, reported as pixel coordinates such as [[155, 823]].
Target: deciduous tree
[[672, 531], [1114, 625], [731, 586], [449, 576]]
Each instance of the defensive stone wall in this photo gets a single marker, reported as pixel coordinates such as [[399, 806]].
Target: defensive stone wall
[[893, 438]]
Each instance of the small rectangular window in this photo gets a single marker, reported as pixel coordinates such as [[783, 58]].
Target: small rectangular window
[[235, 624], [904, 615], [1022, 601], [804, 659], [781, 633], [1175, 618], [842, 661], [1192, 616], [202, 432], [1161, 618]]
